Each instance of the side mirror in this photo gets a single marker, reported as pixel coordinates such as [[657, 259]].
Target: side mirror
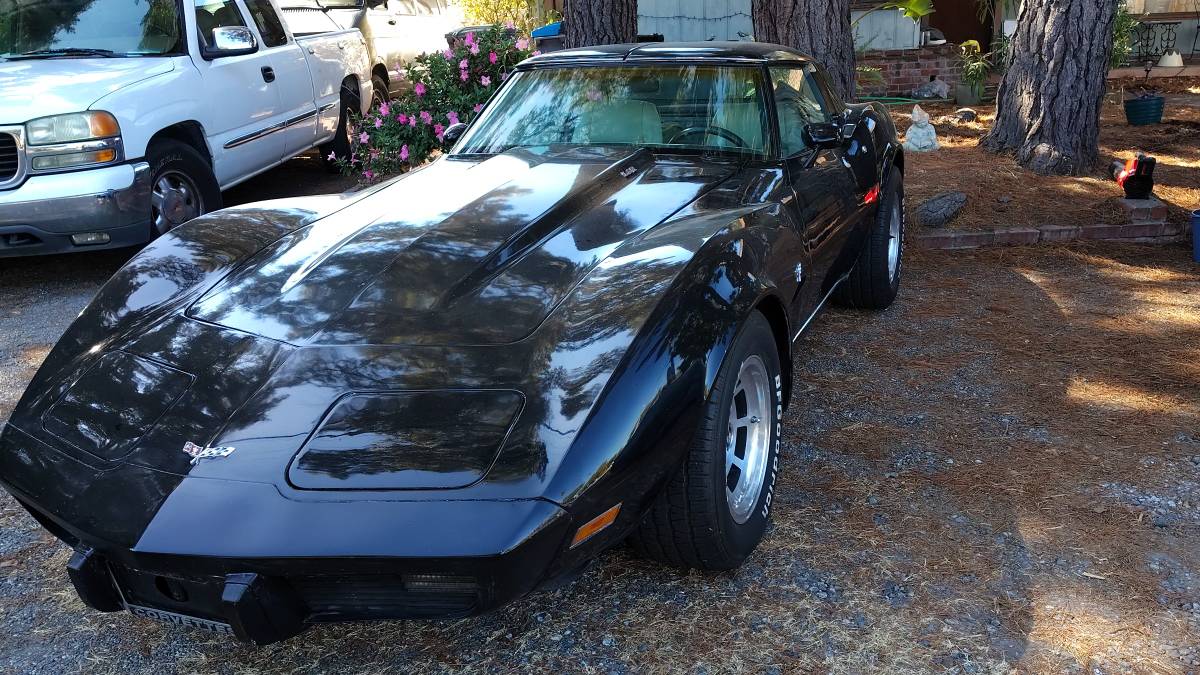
[[453, 133], [822, 136], [230, 41]]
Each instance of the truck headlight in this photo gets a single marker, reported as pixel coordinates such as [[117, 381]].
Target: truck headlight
[[73, 140]]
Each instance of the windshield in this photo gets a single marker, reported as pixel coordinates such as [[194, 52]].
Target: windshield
[[665, 106], [89, 27]]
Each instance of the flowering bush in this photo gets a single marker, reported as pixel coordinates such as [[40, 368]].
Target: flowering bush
[[448, 87]]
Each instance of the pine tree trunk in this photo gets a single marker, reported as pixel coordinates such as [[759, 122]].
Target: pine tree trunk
[[1048, 108], [600, 22], [819, 28]]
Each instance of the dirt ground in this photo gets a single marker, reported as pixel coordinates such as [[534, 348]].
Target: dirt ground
[[1001, 193], [1000, 473]]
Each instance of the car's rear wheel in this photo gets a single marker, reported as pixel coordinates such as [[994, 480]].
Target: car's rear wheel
[[713, 513], [875, 279], [182, 185]]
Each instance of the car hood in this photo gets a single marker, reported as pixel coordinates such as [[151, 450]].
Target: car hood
[[33, 88], [459, 253]]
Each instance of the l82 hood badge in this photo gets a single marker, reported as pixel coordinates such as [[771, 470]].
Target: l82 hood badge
[[198, 453]]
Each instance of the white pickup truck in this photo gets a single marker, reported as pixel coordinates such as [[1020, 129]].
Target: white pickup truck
[[121, 119]]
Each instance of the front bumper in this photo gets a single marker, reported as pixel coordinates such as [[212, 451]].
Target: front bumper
[[41, 215], [241, 555]]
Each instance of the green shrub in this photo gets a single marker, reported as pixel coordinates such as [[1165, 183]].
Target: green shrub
[[448, 86]]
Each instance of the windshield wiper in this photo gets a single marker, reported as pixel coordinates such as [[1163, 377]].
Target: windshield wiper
[[66, 51]]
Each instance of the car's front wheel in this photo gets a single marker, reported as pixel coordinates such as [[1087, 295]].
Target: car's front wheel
[[713, 513], [182, 185]]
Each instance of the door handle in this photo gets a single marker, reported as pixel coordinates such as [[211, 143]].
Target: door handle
[[391, 22], [268, 74]]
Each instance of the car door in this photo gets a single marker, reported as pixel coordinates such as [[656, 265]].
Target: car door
[[823, 185], [290, 76], [388, 23], [242, 107]]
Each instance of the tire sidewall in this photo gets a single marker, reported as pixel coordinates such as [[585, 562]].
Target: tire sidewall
[[165, 156], [755, 339], [893, 197]]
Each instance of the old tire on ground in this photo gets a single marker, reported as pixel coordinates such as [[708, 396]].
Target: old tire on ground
[[340, 145], [875, 279], [714, 511], [182, 185]]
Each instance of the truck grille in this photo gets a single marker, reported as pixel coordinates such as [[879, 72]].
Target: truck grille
[[9, 160]]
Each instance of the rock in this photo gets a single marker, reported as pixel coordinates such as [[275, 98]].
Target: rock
[[966, 114], [941, 209], [932, 89]]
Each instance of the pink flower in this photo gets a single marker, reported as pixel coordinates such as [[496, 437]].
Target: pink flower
[[504, 76], [469, 38], [419, 89], [369, 175], [464, 76], [374, 154], [378, 122], [509, 24], [464, 64], [401, 118], [448, 55], [384, 108], [412, 121], [332, 156], [439, 131], [426, 117], [364, 137], [452, 117], [474, 49], [478, 107], [537, 52], [404, 153], [523, 44], [493, 57], [485, 81]]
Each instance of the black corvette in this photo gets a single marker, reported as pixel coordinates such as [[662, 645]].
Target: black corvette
[[428, 398]]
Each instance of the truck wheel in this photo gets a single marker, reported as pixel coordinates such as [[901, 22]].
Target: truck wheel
[[714, 511], [379, 93], [875, 279], [340, 146], [182, 185]]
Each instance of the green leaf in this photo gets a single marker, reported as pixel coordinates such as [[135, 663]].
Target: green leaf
[[913, 9]]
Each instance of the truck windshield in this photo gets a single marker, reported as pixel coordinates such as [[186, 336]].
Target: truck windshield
[[665, 106], [88, 28]]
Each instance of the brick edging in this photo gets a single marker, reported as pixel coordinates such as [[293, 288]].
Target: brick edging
[[1024, 236]]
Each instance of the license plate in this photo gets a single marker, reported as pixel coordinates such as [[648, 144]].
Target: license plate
[[181, 619]]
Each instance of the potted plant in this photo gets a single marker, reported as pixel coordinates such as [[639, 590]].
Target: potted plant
[[1147, 106], [976, 66]]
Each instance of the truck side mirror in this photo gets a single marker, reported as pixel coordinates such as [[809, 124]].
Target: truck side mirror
[[229, 41], [453, 133]]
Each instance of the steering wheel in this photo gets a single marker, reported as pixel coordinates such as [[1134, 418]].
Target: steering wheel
[[719, 132]]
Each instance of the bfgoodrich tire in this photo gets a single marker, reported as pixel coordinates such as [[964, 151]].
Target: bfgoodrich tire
[[713, 513], [875, 279], [182, 185]]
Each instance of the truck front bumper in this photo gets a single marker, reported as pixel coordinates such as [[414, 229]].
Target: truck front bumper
[[53, 213]]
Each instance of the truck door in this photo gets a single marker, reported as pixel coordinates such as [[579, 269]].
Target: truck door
[[243, 107], [388, 22], [292, 79]]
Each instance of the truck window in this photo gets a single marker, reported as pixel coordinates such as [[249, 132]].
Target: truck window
[[426, 7], [216, 14], [268, 22]]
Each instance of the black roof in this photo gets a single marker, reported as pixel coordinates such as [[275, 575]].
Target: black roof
[[717, 51]]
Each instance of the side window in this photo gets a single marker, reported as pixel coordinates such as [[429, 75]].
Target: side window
[[212, 14], [270, 27], [426, 7], [798, 102]]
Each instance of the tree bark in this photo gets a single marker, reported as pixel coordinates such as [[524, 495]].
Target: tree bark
[[819, 28], [1048, 107], [600, 22]]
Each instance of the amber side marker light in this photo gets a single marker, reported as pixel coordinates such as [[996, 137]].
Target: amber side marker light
[[593, 526]]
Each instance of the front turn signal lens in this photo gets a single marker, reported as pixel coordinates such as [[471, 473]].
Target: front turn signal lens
[[595, 525]]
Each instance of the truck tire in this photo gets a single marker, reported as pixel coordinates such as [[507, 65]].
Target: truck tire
[[712, 514], [875, 279], [340, 146], [379, 91], [182, 185]]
